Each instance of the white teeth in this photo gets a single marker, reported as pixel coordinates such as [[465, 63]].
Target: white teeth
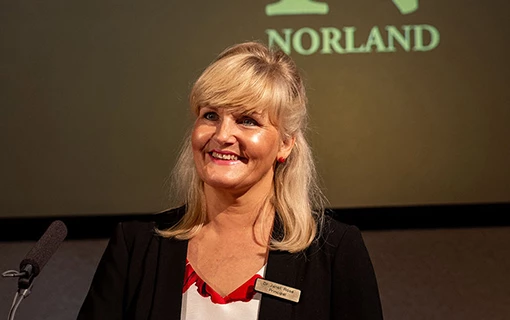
[[224, 156]]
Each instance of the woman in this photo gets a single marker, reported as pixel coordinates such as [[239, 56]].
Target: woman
[[253, 213]]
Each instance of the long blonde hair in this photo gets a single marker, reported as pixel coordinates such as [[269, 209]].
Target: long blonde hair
[[252, 76]]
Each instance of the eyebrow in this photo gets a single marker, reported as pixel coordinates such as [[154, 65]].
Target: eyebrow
[[233, 110], [207, 107], [253, 112]]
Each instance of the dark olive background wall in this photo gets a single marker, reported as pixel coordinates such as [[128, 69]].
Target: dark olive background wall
[[94, 100]]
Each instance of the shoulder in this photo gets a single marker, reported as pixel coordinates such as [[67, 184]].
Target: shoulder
[[143, 227], [333, 235], [354, 288], [335, 230]]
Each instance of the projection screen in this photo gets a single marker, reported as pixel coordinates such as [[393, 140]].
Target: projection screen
[[408, 99]]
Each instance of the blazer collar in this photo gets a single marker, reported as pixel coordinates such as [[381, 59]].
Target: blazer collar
[[171, 263], [167, 298], [282, 267]]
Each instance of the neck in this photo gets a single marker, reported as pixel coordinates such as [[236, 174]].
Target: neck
[[229, 213]]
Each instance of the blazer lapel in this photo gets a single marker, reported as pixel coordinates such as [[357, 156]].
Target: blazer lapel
[[283, 268], [171, 264]]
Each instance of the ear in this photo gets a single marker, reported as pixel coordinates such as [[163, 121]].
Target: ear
[[286, 147]]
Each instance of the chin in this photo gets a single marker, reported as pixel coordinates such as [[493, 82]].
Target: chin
[[228, 185]]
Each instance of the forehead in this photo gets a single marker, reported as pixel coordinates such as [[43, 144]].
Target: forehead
[[238, 91]]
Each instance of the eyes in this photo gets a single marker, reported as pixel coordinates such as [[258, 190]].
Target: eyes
[[211, 116], [248, 121], [243, 120]]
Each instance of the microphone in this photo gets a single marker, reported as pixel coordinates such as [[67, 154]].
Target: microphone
[[38, 256], [34, 262]]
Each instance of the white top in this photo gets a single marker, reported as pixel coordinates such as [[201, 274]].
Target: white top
[[199, 301]]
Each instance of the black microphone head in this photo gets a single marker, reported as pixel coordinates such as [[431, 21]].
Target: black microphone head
[[47, 245]]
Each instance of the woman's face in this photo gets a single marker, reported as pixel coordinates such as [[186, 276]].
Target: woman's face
[[236, 151]]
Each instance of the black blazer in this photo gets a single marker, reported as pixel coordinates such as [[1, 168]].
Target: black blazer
[[141, 275]]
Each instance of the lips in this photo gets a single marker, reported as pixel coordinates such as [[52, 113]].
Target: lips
[[224, 156]]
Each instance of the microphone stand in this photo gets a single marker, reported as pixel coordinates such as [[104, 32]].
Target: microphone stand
[[22, 292], [34, 261]]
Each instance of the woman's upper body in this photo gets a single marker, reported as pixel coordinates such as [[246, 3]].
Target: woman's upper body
[[141, 276], [247, 178]]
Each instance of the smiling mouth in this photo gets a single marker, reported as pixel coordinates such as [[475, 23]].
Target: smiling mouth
[[223, 156]]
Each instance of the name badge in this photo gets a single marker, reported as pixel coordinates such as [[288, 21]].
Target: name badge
[[277, 290]]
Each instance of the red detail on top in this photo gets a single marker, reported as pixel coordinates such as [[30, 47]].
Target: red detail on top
[[244, 293]]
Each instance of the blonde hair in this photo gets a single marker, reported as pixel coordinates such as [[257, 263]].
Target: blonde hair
[[254, 77]]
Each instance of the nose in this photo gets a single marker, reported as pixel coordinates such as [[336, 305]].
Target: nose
[[225, 131]]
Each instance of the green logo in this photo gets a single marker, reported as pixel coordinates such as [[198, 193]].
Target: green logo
[[295, 7], [307, 40], [406, 6], [289, 7]]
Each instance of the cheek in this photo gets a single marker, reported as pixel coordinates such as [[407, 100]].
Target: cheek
[[256, 138], [199, 138], [265, 143]]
